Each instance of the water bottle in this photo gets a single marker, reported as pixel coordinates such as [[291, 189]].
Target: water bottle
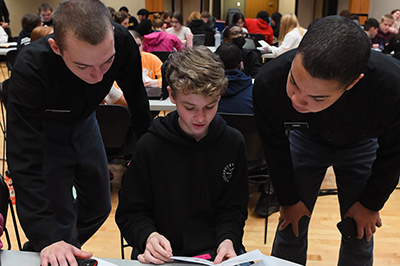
[[217, 38]]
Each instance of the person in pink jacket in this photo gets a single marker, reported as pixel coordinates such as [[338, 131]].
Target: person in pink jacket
[[260, 26], [159, 40]]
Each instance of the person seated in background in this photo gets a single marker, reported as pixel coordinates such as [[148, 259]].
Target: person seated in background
[[177, 29], [238, 20], [29, 22], [185, 192], [371, 27], [208, 19], [121, 18], [159, 40], [46, 14], [251, 57], [39, 32], [196, 24], [167, 19], [276, 24], [384, 35], [396, 15], [132, 20], [238, 95], [144, 27], [290, 35], [260, 26], [3, 35]]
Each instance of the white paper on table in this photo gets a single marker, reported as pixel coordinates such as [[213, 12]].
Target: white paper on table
[[262, 43], [101, 262], [243, 258], [145, 77]]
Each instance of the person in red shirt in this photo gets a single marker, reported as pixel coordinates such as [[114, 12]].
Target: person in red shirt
[[260, 25]]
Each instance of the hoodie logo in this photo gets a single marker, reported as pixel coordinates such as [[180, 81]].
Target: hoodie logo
[[228, 172]]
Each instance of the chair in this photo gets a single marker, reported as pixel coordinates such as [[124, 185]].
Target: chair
[[162, 55], [257, 37], [209, 39], [11, 57], [256, 164], [199, 39], [114, 124]]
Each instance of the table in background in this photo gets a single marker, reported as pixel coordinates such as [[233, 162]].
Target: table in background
[[5, 47], [163, 106]]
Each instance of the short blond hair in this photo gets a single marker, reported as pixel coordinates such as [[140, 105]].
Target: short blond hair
[[196, 71]]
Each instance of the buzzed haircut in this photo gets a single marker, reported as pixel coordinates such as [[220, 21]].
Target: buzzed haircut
[[387, 16], [123, 8], [86, 20], [144, 12], [230, 55], [338, 55], [371, 23]]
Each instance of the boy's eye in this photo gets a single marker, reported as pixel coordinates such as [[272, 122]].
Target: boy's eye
[[189, 108], [318, 100], [81, 67], [210, 107]]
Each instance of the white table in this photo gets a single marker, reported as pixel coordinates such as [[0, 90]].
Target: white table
[[162, 105], [5, 47]]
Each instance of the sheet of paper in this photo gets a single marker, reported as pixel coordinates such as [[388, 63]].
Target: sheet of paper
[[262, 43], [104, 263], [145, 77], [273, 261]]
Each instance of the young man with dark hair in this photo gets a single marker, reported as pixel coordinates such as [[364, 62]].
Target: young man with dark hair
[[371, 27], [46, 14], [53, 138], [29, 22], [238, 95], [145, 25], [186, 191], [330, 103]]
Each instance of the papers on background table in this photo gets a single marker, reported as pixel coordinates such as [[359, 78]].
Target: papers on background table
[[263, 44], [101, 262], [254, 255]]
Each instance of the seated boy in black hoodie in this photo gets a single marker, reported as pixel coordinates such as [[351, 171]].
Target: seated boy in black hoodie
[[186, 192]]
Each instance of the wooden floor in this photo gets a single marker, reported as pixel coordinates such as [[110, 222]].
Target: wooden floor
[[324, 238]]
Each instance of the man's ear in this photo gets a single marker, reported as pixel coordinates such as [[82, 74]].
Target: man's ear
[[170, 95], [54, 46], [355, 82]]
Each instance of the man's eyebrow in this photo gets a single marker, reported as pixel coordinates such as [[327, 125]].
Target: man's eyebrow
[[81, 64], [312, 96]]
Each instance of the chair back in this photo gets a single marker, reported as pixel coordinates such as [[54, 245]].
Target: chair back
[[114, 124], [245, 123], [257, 36], [162, 55], [199, 39]]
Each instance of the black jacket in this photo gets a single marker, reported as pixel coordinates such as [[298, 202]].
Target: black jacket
[[43, 88], [193, 193], [370, 109]]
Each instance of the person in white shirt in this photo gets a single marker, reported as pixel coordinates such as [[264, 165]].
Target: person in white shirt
[[3, 36], [290, 35], [177, 29]]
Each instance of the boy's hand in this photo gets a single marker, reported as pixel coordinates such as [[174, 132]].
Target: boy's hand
[[151, 83], [292, 214], [366, 220], [62, 254], [158, 250], [225, 251]]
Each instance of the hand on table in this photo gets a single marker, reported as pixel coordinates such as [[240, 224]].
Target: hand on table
[[62, 254], [366, 220], [158, 250], [292, 214], [225, 251]]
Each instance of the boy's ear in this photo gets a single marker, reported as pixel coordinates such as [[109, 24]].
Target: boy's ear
[[170, 95], [54, 46]]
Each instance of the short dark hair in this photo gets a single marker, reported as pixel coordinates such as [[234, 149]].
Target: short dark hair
[[30, 21], [335, 48], [371, 23], [230, 55], [263, 15], [86, 20], [45, 7], [179, 17], [144, 12], [123, 8]]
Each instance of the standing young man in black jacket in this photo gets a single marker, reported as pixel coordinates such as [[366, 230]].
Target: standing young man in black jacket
[[330, 103], [53, 140]]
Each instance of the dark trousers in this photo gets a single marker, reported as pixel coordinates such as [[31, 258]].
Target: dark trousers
[[74, 156], [352, 166]]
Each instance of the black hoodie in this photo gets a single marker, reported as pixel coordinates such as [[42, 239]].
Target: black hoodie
[[195, 193]]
